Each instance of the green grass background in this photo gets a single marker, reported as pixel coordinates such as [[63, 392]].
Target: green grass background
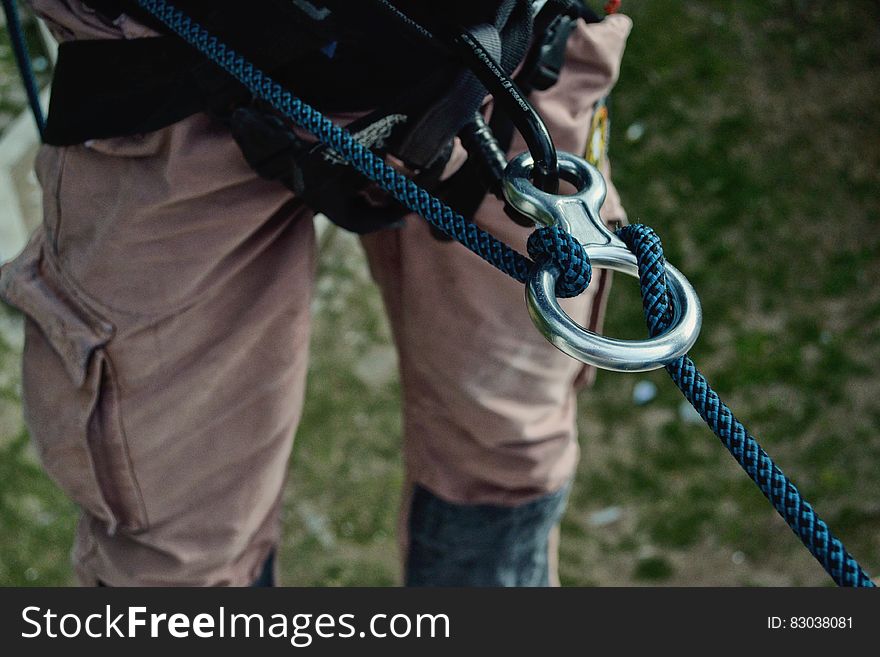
[[748, 134]]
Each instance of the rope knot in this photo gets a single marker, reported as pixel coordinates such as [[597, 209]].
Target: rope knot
[[555, 245]]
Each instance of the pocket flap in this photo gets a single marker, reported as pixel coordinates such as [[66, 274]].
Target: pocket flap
[[32, 285]]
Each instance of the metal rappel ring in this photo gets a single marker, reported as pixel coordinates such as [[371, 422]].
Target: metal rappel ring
[[579, 215]]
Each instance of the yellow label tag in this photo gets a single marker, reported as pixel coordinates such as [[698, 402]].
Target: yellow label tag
[[597, 141]]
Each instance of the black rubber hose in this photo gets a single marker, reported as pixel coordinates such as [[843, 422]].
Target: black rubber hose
[[477, 137]]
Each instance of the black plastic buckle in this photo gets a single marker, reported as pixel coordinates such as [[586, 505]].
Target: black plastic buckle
[[552, 54]]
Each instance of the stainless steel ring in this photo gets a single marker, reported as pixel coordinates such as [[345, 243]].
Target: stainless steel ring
[[610, 353], [579, 214]]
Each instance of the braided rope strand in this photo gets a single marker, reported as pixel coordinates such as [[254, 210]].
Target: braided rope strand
[[777, 488], [554, 243]]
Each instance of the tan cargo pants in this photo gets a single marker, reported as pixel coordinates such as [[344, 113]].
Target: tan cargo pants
[[167, 303]]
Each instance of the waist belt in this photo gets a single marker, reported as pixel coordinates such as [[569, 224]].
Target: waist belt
[[339, 56], [118, 87]]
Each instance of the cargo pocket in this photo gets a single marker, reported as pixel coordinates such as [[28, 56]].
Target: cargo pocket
[[70, 392]]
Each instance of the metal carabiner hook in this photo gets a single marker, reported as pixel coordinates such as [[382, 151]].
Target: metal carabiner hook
[[579, 215]]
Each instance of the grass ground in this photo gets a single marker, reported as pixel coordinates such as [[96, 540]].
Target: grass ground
[[748, 135]]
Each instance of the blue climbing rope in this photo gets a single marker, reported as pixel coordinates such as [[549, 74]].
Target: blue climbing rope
[[779, 489], [563, 250], [548, 243], [23, 59]]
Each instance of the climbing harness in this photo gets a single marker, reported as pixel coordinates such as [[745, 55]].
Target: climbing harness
[[413, 105], [569, 238]]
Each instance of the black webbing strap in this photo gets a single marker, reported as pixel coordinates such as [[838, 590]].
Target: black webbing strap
[[505, 34], [117, 87], [172, 82]]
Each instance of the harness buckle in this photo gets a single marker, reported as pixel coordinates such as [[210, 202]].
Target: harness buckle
[[578, 214]]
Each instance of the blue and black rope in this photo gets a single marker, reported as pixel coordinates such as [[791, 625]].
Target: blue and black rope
[[779, 489], [548, 243], [23, 60]]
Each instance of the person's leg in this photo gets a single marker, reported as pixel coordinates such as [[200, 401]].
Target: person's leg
[[167, 305], [489, 411], [489, 405]]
